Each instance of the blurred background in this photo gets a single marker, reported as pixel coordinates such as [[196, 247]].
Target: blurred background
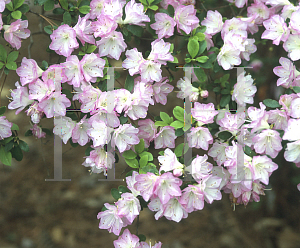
[[35, 213]]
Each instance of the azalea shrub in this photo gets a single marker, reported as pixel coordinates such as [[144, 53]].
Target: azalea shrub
[[238, 141]]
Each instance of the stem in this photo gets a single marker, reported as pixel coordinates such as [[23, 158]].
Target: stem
[[2, 83], [45, 18]]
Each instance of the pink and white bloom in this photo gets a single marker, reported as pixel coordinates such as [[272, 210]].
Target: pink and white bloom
[[16, 31], [185, 18], [263, 168], [192, 198], [99, 133], [213, 22], [165, 138], [91, 67], [173, 210], [135, 14], [5, 128], [199, 137], [63, 128], [127, 240], [276, 30], [103, 26], [128, 206], [150, 71], [164, 25], [125, 136], [64, 40], [79, 133], [291, 132], [187, 90], [292, 152], [204, 113], [112, 45], [3, 3], [72, 71], [146, 184], [97, 8], [147, 131], [295, 107], [199, 168], [161, 90], [169, 162], [292, 46], [294, 21], [160, 52], [29, 71], [286, 72], [84, 30], [133, 61], [217, 152], [228, 57], [37, 131]]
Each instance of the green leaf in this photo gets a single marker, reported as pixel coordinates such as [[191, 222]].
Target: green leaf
[[171, 10], [48, 29], [179, 149], [225, 78], [3, 53], [248, 151], [7, 140], [144, 2], [129, 154], [225, 91], [49, 5], [156, 2], [139, 148], [24, 8], [142, 237], [179, 132], [161, 124], [150, 167], [200, 74], [17, 4], [16, 14], [17, 153], [1, 65], [225, 100], [200, 36], [178, 113], [24, 146], [58, 11], [296, 89], [143, 161], [133, 163], [153, 7], [15, 127], [5, 157], [73, 144], [202, 59], [45, 65], [175, 61], [88, 151], [67, 93], [129, 83], [11, 65], [271, 103], [217, 89], [150, 156], [9, 6], [225, 135], [177, 124], [115, 193], [28, 133], [122, 189], [91, 49], [193, 47], [84, 9], [67, 18], [47, 131], [64, 4], [123, 119], [12, 56], [165, 117], [136, 30], [9, 146], [202, 46], [2, 110]]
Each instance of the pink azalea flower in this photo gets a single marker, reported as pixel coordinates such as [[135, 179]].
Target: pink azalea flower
[[147, 131], [135, 14], [110, 220], [228, 57], [50, 73], [164, 25], [64, 40], [174, 3], [34, 112], [173, 210], [88, 98], [146, 184], [249, 49], [97, 8], [114, 9], [84, 30], [169, 162], [285, 101], [244, 90], [291, 132], [261, 11], [199, 137], [165, 138], [37, 131], [145, 245], [112, 45], [187, 89], [213, 22], [79, 133], [128, 206], [192, 199], [72, 71], [185, 18], [210, 187], [20, 98], [292, 152], [276, 30], [161, 90], [236, 25], [99, 133], [16, 31], [286, 72], [55, 105], [125, 136], [199, 168], [5, 127], [279, 118], [291, 45], [91, 67], [29, 71], [99, 160], [150, 71], [63, 128], [3, 3], [204, 113], [104, 26], [263, 168], [160, 52], [40, 90], [267, 142], [239, 3], [294, 21], [295, 108], [217, 152], [130, 181], [133, 61], [127, 240]]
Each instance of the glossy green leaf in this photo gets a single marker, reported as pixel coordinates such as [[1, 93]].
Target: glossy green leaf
[[49, 5], [143, 161], [193, 47], [115, 193], [165, 117], [16, 14], [3, 53], [129, 154], [11, 65], [271, 103], [225, 100], [17, 153], [2, 110], [17, 4], [179, 149], [150, 156], [177, 124], [64, 4], [5, 157], [67, 18], [200, 74], [136, 30], [133, 163], [225, 135], [139, 148], [178, 113], [58, 11], [171, 10], [84, 9], [12, 56], [129, 83], [15, 127]]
